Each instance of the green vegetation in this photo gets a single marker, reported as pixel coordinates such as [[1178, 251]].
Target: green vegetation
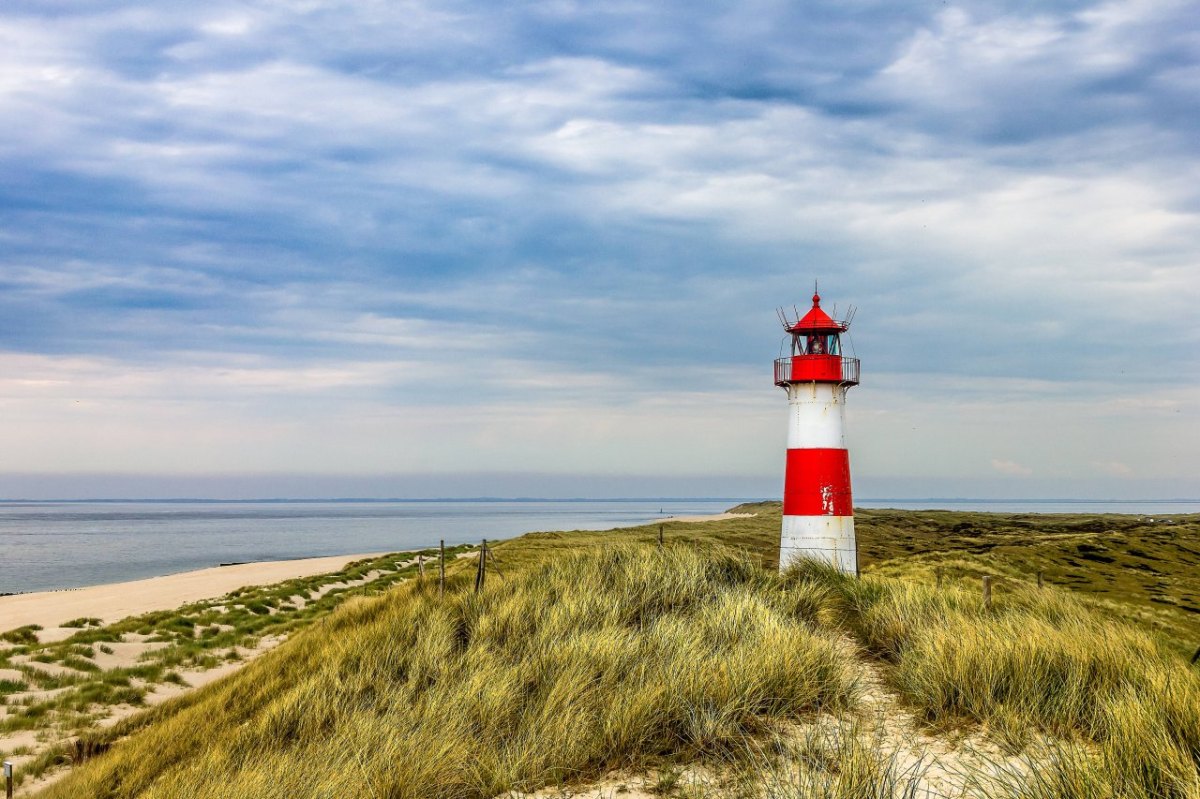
[[12, 686], [84, 621], [22, 635], [589, 654]]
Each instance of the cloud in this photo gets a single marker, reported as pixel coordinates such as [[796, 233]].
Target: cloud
[[588, 210], [1010, 78], [1010, 468]]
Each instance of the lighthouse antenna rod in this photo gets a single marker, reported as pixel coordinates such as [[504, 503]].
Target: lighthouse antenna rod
[[782, 318], [850, 312]]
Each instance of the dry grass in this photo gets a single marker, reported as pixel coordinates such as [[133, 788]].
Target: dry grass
[[610, 658], [1039, 660]]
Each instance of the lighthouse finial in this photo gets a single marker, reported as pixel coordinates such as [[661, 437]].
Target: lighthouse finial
[[816, 294]]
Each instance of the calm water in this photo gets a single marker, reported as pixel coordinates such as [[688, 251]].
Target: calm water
[[48, 545]]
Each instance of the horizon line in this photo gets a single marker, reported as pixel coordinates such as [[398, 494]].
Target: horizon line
[[168, 500]]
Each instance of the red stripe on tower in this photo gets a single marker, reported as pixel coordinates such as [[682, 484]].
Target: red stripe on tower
[[817, 483], [818, 512]]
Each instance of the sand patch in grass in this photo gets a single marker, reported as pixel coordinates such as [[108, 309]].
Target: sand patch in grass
[[124, 654]]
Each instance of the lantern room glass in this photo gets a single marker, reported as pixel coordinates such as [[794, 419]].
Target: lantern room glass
[[816, 344]]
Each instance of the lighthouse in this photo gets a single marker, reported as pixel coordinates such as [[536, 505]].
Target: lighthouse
[[818, 513]]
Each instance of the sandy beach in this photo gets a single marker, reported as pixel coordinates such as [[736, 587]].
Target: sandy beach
[[712, 517], [115, 601]]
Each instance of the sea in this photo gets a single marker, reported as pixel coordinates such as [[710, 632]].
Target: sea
[[60, 545]]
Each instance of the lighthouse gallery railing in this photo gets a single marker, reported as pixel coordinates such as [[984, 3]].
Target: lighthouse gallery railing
[[784, 371]]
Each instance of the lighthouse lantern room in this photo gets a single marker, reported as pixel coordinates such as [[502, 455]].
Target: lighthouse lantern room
[[818, 514]]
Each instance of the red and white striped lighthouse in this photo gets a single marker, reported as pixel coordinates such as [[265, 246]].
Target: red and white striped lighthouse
[[818, 513]]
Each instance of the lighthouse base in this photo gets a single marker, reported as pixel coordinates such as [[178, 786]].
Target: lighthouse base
[[828, 539]]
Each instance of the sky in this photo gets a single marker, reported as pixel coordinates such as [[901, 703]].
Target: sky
[[412, 249]]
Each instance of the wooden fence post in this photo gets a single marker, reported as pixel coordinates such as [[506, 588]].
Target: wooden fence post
[[1196, 656], [660, 535], [1041, 579], [481, 571], [442, 567], [8, 779], [420, 568], [987, 592], [491, 557], [938, 573]]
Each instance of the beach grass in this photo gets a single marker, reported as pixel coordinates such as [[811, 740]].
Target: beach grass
[[1140, 568], [1038, 660], [586, 654], [621, 657], [403, 693]]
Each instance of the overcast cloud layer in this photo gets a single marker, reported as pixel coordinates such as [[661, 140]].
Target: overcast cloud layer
[[414, 239]]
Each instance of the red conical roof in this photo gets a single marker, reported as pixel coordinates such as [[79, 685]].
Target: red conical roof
[[817, 321]]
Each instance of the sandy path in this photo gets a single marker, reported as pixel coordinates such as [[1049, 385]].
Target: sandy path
[[117, 601]]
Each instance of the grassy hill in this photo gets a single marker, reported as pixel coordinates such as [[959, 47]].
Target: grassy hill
[[1146, 569], [600, 659], [1139, 568]]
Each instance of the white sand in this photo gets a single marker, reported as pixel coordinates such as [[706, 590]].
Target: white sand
[[116, 601], [712, 517]]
